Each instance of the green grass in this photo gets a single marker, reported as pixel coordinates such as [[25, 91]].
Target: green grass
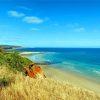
[[13, 60]]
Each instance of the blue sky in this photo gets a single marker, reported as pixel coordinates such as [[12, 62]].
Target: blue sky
[[50, 23]]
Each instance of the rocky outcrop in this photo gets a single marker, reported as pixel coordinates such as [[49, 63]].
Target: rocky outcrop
[[34, 71]]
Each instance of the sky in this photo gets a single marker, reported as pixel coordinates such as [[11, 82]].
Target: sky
[[50, 23]]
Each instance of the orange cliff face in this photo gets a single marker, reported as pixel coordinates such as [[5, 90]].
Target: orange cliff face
[[34, 71]]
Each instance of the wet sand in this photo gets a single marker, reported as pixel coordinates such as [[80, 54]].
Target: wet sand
[[73, 78]]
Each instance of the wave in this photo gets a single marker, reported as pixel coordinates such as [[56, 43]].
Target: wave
[[97, 72]]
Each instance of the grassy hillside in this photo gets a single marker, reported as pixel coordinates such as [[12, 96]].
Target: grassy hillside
[[26, 88]]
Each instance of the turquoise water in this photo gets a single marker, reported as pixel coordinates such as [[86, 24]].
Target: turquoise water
[[85, 62]]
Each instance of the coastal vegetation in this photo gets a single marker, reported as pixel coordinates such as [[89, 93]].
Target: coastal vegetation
[[13, 60], [14, 85]]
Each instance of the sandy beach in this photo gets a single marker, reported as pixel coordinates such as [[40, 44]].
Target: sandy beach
[[72, 78], [26, 53]]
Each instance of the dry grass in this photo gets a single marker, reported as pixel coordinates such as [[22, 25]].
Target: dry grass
[[25, 88]]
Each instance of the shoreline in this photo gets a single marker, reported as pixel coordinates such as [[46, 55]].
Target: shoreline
[[27, 53], [73, 78]]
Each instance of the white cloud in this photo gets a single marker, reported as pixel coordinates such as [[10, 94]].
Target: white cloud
[[35, 29], [79, 29], [15, 14], [33, 19]]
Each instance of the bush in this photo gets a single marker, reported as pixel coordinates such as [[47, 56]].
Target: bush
[[16, 62]]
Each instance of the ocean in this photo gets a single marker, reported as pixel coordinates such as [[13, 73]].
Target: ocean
[[83, 61]]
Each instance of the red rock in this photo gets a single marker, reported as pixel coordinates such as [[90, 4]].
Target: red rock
[[34, 70]]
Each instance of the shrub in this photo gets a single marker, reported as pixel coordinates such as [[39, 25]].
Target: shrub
[[15, 61]]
